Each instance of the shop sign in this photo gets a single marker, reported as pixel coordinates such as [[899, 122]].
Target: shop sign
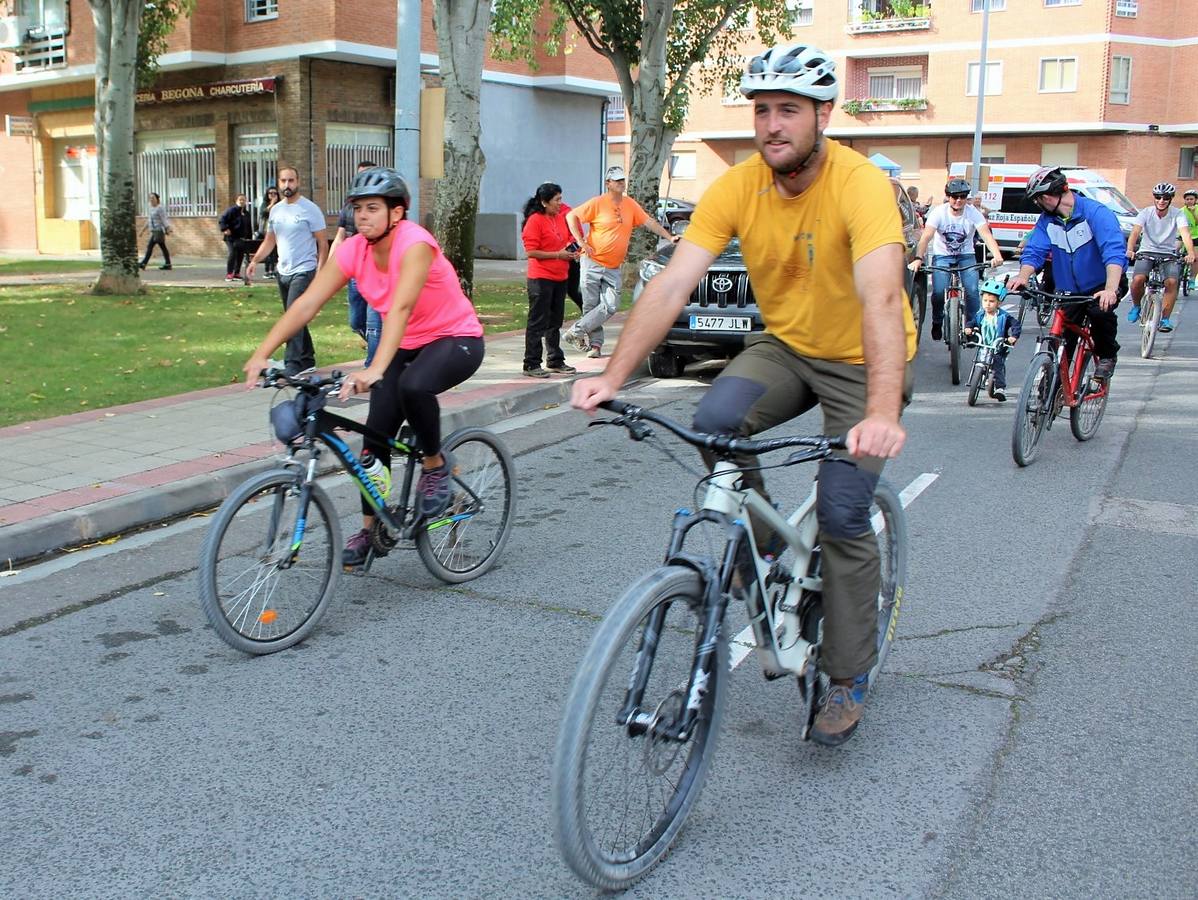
[[221, 90], [18, 126]]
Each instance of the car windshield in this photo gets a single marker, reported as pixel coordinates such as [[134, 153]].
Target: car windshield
[[1113, 198]]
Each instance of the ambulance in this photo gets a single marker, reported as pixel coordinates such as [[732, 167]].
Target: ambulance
[[1011, 216]]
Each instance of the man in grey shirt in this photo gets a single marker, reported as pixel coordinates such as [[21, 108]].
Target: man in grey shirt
[[297, 227], [1161, 226]]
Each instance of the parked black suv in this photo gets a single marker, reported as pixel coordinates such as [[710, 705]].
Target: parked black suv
[[722, 310]]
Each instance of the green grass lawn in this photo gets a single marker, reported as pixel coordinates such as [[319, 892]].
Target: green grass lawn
[[47, 266], [64, 350]]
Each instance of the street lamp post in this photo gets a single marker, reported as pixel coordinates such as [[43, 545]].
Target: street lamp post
[[407, 98], [975, 179]]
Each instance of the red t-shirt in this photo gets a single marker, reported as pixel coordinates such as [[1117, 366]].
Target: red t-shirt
[[547, 233]]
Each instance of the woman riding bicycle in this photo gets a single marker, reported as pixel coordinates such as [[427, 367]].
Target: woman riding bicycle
[[431, 340], [950, 228]]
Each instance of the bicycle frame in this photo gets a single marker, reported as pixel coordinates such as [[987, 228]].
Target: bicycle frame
[[781, 647], [1068, 371]]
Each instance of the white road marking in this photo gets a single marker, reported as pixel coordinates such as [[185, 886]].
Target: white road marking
[[744, 643]]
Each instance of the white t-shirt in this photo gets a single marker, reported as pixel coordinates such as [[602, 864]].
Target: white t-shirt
[[294, 225], [954, 234], [1160, 233]]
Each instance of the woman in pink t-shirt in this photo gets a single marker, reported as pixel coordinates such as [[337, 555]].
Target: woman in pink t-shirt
[[431, 340]]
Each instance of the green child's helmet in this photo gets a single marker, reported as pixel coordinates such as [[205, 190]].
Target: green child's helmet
[[994, 286]]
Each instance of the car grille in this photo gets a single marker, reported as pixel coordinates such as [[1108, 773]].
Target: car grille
[[724, 290]]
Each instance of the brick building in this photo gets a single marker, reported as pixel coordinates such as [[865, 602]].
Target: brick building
[[246, 84], [1106, 84]]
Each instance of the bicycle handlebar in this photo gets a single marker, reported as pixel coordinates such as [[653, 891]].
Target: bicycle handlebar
[[277, 377], [1155, 256], [1054, 299], [981, 265], [631, 417]]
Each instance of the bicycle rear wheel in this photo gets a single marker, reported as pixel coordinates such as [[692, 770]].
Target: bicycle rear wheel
[[1085, 417], [952, 324], [262, 588], [467, 540], [1034, 408], [621, 793], [1150, 318]]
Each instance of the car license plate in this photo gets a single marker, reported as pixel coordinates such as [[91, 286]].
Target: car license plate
[[721, 323]]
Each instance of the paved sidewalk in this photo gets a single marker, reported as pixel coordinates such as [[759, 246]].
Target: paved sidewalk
[[83, 477]]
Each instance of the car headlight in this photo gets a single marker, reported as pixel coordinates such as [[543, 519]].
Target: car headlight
[[649, 268]]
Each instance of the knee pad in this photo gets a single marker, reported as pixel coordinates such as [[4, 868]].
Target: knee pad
[[725, 405], [844, 497]]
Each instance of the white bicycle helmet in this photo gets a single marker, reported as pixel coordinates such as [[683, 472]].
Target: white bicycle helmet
[[795, 68], [1164, 189]]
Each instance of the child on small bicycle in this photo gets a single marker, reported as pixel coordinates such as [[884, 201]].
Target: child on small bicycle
[[993, 325]]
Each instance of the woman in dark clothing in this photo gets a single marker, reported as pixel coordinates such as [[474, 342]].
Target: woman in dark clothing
[[269, 199]]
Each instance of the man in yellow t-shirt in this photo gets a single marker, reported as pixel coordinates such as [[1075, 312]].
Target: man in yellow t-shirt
[[611, 217], [823, 244]]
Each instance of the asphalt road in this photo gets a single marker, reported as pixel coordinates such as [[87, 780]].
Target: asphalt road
[[1034, 734]]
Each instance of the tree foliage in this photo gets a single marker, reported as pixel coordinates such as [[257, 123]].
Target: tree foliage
[[158, 21]]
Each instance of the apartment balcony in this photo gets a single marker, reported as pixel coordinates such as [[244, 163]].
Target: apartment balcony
[[884, 104], [875, 16]]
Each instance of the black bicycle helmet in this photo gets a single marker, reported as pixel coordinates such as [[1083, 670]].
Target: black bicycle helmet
[[957, 186], [1046, 180], [379, 182], [1164, 189]]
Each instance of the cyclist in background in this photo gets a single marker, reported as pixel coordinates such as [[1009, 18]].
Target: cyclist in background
[[1190, 211], [823, 243], [1088, 257], [1161, 226], [431, 339], [950, 228]]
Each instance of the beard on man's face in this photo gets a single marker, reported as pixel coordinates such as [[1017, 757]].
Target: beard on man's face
[[288, 192]]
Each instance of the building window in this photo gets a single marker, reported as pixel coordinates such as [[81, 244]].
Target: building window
[[905, 155], [1062, 2], [993, 154], [180, 167], [344, 147], [979, 5], [1128, 9], [800, 12], [993, 78], [1121, 79], [615, 108], [895, 84], [257, 10], [1058, 74], [1058, 154], [1186, 164]]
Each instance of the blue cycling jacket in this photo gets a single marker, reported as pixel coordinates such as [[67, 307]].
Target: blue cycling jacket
[[1081, 248]]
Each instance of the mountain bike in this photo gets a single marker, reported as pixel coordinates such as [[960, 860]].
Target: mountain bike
[[982, 373], [639, 730], [272, 555], [1152, 303], [1059, 376], [954, 313]]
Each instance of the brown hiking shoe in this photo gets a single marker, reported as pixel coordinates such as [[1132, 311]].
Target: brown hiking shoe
[[839, 716]]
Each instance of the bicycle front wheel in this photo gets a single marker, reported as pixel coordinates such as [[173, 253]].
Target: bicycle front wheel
[[467, 540], [952, 323], [623, 784], [270, 566], [890, 525], [1085, 417], [976, 378], [1150, 318], [1034, 408]]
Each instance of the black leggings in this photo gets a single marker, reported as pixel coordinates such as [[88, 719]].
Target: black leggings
[[409, 388]]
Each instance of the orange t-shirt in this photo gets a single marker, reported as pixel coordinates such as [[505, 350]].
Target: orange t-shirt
[[611, 227]]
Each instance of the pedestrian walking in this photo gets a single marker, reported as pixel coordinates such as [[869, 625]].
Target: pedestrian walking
[[236, 226], [297, 227], [269, 199], [611, 217], [364, 319], [550, 250], [159, 227]]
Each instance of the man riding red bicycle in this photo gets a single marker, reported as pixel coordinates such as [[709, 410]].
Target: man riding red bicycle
[[1088, 257]]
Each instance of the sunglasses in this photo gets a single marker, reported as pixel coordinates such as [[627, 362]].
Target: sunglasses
[[958, 196], [1162, 196]]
